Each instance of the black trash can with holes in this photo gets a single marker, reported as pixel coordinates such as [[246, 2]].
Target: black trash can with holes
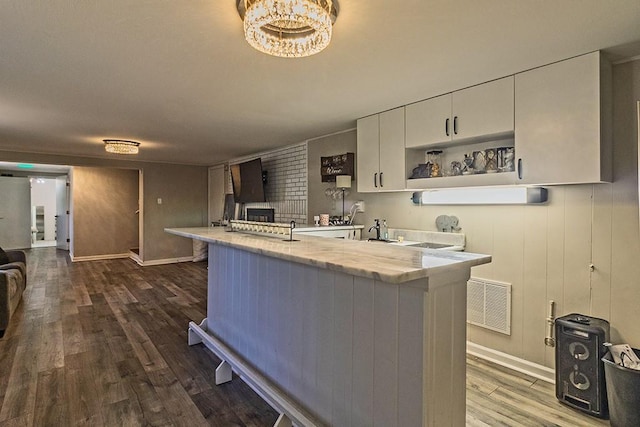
[[623, 392]]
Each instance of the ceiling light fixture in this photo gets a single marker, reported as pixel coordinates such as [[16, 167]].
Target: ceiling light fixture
[[288, 28], [121, 146]]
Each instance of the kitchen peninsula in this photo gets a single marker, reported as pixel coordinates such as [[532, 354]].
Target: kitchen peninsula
[[339, 332]]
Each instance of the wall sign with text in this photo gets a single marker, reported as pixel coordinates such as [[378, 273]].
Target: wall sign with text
[[340, 164]]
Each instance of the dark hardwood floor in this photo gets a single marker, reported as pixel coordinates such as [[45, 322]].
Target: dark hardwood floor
[[104, 343]]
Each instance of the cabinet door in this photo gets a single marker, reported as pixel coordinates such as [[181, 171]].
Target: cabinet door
[[368, 156], [558, 122], [392, 168], [428, 122], [484, 111]]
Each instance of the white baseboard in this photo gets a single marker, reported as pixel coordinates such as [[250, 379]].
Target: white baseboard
[[97, 257], [165, 261], [132, 256], [508, 361]]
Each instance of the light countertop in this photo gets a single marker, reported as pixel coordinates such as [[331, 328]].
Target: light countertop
[[307, 227], [388, 263], [455, 241]]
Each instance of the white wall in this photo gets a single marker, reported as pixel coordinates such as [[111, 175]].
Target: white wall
[[286, 188]]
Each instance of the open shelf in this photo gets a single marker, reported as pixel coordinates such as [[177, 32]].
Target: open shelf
[[456, 152]]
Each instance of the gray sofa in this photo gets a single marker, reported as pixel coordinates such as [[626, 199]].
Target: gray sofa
[[13, 280]]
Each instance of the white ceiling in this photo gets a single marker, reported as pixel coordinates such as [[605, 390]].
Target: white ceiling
[[179, 77]]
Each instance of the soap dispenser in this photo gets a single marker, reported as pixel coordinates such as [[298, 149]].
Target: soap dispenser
[[385, 230]]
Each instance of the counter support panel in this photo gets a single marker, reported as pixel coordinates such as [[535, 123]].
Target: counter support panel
[[332, 332]]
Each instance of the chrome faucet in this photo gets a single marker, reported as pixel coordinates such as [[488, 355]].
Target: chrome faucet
[[377, 228]]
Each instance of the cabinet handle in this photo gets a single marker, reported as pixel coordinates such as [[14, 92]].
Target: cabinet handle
[[455, 125], [375, 179], [381, 184], [446, 126], [520, 168]]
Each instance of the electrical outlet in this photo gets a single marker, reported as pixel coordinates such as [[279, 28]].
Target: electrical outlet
[[360, 205]]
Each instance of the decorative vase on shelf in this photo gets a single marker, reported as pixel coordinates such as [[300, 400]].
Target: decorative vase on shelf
[[468, 165]]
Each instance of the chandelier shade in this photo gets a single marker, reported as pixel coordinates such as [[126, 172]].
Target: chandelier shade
[[121, 146], [288, 28]]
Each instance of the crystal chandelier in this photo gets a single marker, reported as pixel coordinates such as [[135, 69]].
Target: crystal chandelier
[[288, 28], [121, 146]]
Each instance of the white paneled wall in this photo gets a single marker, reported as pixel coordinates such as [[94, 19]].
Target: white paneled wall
[[543, 251], [353, 351]]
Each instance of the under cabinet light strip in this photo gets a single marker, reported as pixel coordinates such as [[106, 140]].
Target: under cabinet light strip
[[482, 196]]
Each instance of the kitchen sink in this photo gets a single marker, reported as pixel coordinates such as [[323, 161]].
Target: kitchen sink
[[426, 245], [429, 245]]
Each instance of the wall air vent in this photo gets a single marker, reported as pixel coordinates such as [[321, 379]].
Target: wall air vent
[[489, 304]]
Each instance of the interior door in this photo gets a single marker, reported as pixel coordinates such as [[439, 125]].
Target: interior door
[[15, 212], [62, 213]]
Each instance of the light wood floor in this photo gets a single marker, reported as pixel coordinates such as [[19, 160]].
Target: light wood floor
[[104, 343]]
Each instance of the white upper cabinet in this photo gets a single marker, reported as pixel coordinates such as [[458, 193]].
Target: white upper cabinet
[[380, 157], [368, 155], [479, 112], [549, 125], [563, 122], [392, 138], [484, 111], [428, 122]]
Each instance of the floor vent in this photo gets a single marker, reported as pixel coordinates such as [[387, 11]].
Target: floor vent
[[489, 305]]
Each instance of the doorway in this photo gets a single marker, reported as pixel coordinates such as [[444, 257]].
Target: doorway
[[105, 214], [31, 200], [44, 211], [62, 213]]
